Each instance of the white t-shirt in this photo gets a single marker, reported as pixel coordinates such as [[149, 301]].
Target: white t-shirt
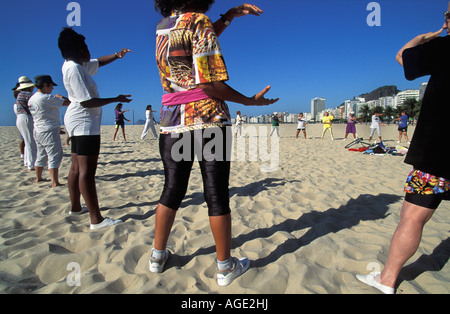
[[301, 123], [81, 87], [45, 111], [375, 122]]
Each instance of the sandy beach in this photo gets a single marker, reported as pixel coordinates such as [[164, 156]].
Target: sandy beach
[[324, 215]]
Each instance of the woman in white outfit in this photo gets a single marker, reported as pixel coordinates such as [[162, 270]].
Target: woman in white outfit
[[150, 123], [24, 121]]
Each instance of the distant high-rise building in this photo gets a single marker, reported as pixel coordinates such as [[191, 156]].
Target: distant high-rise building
[[317, 105], [422, 90]]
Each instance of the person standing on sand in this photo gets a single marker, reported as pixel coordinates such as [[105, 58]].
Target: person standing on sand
[[351, 126], [403, 127], [149, 123], [45, 111], [24, 121], [327, 126], [429, 182], [239, 122], [301, 126], [83, 121], [193, 75], [376, 125], [120, 121]]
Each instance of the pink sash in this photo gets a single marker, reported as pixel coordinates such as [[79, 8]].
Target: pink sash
[[181, 98]]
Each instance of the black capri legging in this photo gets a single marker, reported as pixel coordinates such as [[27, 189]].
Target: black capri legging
[[212, 147]]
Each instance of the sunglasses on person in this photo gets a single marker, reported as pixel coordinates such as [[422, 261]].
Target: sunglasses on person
[[447, 15]]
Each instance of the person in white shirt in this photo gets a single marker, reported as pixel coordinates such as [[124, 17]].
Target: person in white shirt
[[239, 122], [301, 126], [149, 123], [83, 121], [45, 111], [376, 122]]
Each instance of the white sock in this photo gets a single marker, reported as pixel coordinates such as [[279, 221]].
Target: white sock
[[228, 264], [156, 254]]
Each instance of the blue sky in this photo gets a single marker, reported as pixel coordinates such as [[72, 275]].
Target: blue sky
[[303, 48]]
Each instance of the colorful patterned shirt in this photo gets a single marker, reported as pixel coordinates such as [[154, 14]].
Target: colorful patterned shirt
[[187, 54]]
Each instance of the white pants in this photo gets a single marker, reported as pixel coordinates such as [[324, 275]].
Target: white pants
[[372, 131], [25, 125], [49, 149], [149, 124]]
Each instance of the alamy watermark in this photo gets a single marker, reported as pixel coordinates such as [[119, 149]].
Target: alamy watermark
[[216, 144], [74, 17], [74, 277], [374, 17]]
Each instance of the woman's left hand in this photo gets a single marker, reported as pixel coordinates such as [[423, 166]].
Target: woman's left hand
[[244, 9]]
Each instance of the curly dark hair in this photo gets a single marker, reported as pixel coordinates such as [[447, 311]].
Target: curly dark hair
[[70, 43], [165, 7]]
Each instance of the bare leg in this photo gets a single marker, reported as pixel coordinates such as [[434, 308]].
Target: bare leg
[[163, 225], [81, 181], [405, 241], [123, 133], [54, 177], [406, 136], [39, 171], [115, 133], [221, 229], [72, 184]]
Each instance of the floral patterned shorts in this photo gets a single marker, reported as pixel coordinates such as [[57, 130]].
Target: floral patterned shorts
[[419, 182], [426, 190]]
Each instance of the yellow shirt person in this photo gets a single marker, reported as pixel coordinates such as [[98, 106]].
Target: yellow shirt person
[[326, 120]]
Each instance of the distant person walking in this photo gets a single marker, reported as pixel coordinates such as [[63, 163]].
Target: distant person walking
[[149, 123], [429, 182], [83, 121]]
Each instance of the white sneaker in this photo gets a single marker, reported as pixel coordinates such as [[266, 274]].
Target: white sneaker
[[226, 276], [107, 222], [372, 280], [157, 265]]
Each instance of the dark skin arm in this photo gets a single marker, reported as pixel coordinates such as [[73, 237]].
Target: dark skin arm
[[222, 91], [100, 102], [242, 10], [111, 58]]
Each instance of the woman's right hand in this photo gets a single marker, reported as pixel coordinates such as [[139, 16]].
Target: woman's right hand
[[260, 100], [124, 98]]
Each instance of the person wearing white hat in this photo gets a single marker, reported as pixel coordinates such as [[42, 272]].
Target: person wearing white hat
[[24, 121]]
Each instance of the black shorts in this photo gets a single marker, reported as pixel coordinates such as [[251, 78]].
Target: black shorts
[[428, 201], [405, 129], [214, 165], [87, 145], [120, 123]]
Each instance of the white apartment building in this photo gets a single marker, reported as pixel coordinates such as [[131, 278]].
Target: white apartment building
[[402, 96]]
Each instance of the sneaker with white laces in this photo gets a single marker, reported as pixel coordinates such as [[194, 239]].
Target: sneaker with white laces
[[157, 265], [226, 276], [372, 280], [107, 222]]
